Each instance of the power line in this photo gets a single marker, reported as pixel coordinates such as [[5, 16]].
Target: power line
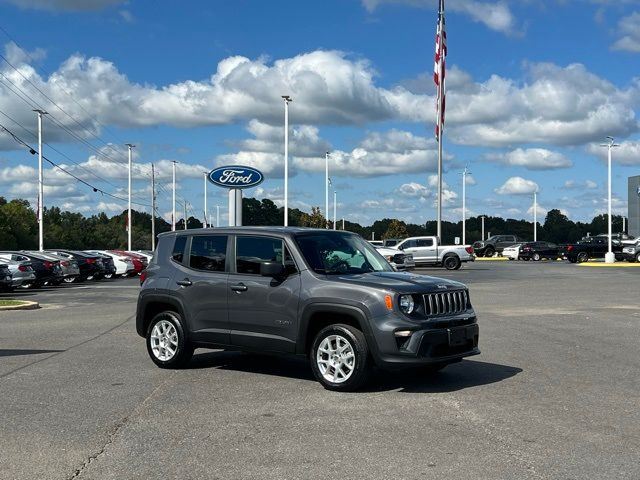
[[54, 164]]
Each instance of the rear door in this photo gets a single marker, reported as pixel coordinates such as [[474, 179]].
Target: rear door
[[200, 280], [428, 249], [263, 311]]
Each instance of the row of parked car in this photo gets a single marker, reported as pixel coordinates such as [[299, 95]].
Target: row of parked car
[[34, 269], [624, 247]]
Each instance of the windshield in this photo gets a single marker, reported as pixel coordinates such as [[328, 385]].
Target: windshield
[[334, 253]]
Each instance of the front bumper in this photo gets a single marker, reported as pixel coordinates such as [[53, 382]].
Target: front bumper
[[442, 340]]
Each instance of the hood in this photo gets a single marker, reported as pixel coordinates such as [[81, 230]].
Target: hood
[[388, 251], [401, 282]]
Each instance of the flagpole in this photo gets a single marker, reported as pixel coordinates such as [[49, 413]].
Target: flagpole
[[440, 91]]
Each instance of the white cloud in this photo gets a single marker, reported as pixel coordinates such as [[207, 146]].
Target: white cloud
[[540, 211], [532, 159], [413, 190], [587, 184], [629, 31], [494, 15], [517, 186], [628, 153]]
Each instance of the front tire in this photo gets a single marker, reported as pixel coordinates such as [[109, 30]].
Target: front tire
[[451, 262], [167, 344], [489, 252], [340, 358], [536, 257], [582, 257]]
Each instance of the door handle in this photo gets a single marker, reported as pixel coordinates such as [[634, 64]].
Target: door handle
[[241, 287], [184, 283]]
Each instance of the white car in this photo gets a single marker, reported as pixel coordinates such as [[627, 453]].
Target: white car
[[124, 265], [512, 252], [394, 256]]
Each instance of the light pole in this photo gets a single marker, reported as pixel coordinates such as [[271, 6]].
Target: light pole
[[153, 208], [217, 215], [173, 196], [286, 99], [609, 256], [482, 217], [40, 183], [327, 182], [130, 147], [535, 216], [335, 203], [205, 199], [464, 206]]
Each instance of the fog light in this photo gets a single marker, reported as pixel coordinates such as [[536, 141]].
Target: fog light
[[403, 333], [405, 302]]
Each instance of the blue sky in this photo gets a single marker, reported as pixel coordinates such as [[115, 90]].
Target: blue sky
[[533, 88]]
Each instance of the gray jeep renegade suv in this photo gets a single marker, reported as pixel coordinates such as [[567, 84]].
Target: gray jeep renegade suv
[[325, 294]]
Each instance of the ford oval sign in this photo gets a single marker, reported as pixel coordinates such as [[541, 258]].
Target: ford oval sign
[[236, 176]]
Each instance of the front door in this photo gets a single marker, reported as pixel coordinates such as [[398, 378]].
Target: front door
[[201, 277], [263, 311]]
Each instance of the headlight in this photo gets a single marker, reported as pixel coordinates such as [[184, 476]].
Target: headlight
[[406, 304], [389, 258]]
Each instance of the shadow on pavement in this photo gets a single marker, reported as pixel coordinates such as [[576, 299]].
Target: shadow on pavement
[[17, 351], [465, 374]]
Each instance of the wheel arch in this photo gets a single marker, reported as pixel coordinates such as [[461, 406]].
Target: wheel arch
[[151, 305]]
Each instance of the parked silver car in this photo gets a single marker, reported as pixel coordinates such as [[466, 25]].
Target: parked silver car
[[22, 273]]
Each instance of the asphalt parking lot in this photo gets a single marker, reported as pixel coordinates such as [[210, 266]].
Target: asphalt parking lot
[[554, 394]]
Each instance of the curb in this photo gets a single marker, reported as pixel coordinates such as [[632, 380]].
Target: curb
[[610, 265], [26, 305], [491, 259]]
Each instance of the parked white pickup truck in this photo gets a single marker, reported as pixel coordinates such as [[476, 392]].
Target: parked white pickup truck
[[427, 251]]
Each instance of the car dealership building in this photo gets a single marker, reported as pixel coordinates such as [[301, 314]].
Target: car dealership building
[[634, 206]]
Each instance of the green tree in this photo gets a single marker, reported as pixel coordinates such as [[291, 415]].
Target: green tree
[[396, 229]]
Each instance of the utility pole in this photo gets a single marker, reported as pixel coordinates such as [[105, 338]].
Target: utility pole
[[130, 146], [465, 172], [609, 256], [205, 199], [535, 216], [335, 202], [286, 99], [40, 183], [342, 223], [327, 182], [173, 215], [153, 208], [185, 214]]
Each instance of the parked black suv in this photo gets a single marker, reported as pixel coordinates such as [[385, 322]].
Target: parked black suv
[[325, 294], [496, 243]]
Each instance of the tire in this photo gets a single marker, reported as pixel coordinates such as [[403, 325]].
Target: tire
[[582, 257], [166, 331], [69, 279], [355, 368], [489, 252], [108, 276], [451, 262], [536, 257], [638, 257]]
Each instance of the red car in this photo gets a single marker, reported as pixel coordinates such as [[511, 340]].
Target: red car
[[138, 264]]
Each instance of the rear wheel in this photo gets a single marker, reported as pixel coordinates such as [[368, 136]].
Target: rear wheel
[[536, 257], [340, 358], [167, 344], [451, 262], [582, 257], [108, 275], [69, 279], [489, 252]]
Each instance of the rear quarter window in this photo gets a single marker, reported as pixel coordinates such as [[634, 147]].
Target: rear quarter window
[[177, 255]]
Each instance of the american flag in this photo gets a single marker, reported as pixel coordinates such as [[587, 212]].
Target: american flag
[[438, 67]]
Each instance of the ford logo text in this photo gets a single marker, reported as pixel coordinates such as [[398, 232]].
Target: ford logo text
[[236, 177]]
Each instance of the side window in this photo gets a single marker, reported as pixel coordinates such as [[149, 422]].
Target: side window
[[208, 252], [425, 242], [252, 251], [178, 248], [409, 244]]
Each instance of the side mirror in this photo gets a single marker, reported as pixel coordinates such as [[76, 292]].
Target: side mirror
[[272, 269]]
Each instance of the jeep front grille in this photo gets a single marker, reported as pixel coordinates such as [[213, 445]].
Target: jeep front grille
[[446, 303]]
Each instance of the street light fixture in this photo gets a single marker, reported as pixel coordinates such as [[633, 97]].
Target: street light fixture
[[609, 256]]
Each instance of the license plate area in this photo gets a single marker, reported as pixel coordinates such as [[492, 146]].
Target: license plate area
[[457, 336]]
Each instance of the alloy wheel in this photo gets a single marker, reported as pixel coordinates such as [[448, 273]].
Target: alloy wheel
[[164, 340], [336, 359]]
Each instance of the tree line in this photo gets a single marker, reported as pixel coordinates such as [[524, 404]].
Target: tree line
[[63, 229]]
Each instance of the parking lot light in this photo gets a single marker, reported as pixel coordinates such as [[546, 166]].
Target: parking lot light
[[609, 256]]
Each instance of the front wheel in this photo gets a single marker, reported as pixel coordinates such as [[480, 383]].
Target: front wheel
[[451, 262], [582, 257], [166, 341], [489, 252], [340, 358], [536, 257]]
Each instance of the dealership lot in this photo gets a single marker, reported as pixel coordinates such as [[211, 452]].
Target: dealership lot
[[553, 395]]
